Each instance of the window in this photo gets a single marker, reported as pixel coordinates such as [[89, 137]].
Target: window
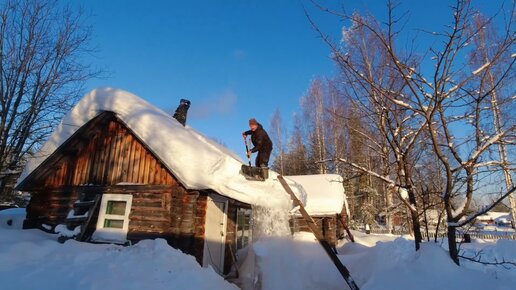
[[243, 228], [113, 221]]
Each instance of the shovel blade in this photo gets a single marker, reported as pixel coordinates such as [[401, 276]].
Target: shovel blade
[[255, 173]]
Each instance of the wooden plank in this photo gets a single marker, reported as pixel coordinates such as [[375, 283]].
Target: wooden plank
[[109, 155], [141, 171], [104, 156], [125, 157], [89, 156], [142, 190], [318, 234], [77, 170], [100, 151], [148, 159], [152, 168], [130, 165], [121, 156], [136, 164], [116, 156]]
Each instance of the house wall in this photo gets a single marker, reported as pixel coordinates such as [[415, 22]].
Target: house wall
[[104, 156], [103, 152], [328, 224]]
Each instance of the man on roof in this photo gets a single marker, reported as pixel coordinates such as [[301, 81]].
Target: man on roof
[[261, 142]]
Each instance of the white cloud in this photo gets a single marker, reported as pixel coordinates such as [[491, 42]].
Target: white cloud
[[219, 105]]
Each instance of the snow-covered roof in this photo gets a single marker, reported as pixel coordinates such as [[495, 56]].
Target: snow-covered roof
[[504, 217], [325, 193], [195, 160]]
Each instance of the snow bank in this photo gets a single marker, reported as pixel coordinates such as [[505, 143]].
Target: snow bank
[[325, 193], [197, 161], [31, 259], [395, 265], [12, 218], [283, 263], [376, 262]]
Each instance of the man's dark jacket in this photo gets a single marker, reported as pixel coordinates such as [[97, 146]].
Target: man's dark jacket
[[262, 144], [260, 138]]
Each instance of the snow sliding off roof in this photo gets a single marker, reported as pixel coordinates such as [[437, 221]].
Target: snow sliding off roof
[[195, 160]]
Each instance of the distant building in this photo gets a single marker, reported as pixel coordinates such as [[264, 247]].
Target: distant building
[[495, 219]]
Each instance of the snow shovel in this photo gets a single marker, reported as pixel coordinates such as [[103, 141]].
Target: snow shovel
[[252, 172]]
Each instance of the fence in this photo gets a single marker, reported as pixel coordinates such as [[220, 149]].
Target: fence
[[460, 235]]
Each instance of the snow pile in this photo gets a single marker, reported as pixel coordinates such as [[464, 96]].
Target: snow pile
[[376, 262], [395, 265], [325, 193], [500, 250], [197, 161], [283, 263], [32, 259]]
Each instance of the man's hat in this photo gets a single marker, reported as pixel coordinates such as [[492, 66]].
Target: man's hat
[[253, 121], [185, 101]]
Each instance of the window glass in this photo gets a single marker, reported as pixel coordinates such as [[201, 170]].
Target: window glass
[[110, 223], [243, 228], [116, 207]]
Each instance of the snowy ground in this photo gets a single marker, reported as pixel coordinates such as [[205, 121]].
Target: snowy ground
[[379, 262], [31, 259]]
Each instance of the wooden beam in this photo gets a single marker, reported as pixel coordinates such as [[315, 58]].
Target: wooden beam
[[319, 236], [110, 188]]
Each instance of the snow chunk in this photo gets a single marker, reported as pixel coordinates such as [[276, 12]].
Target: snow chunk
[[71, 214], [65, 232], [459, 208], [478, 70], [403, 193]]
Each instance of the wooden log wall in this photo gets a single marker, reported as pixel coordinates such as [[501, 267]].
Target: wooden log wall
[[103, 152], [327, 223], [100, 156], [50, 208], [168, 212]]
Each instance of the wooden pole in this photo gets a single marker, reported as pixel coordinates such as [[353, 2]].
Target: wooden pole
[[318, 235]]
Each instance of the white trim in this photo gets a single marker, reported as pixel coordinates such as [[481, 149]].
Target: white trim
[[113, 234]]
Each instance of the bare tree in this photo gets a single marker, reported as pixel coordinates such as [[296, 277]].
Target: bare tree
[[277, 134], [42, 47], [296, 153], [486, 43], [313, 105], [447, 102]]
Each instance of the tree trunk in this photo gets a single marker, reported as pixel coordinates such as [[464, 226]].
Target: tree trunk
[[452, 245], [416, 226]]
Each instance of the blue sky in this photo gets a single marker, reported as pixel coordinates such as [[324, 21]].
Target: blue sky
[[233, 59]]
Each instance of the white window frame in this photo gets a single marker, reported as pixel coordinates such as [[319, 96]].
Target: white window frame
[[245, 233], [113, 234]]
